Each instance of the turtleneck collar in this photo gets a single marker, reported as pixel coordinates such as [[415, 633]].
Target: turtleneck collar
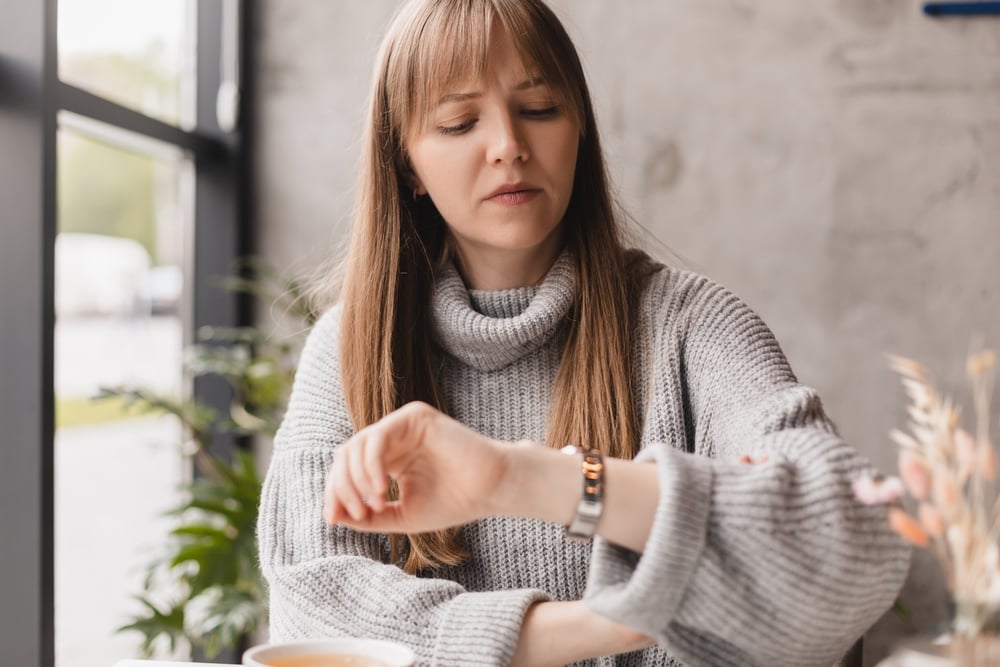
[[492, 329]]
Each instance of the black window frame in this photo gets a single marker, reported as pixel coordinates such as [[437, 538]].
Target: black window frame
[[31, 96]]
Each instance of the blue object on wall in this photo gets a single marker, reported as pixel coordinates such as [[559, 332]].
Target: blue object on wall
[[961, 8]]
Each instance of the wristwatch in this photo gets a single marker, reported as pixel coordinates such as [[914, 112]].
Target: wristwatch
[[588, 511]]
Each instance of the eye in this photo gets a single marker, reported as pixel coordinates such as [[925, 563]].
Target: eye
[[460, 128], [547, 112]]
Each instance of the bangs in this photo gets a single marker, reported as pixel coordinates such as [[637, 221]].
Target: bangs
[[448, 43]]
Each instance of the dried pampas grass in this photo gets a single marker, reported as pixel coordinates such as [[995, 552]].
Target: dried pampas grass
[[952, 475]]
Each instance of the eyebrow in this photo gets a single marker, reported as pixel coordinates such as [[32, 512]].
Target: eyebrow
[[527, 84]]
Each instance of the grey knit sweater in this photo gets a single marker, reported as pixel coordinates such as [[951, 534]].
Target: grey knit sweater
[[766, 564]]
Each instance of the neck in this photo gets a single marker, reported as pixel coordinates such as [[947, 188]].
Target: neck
[[493, 269], [490, 329]]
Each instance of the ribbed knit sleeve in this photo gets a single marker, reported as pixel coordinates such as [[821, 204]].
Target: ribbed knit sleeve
[[771, 563], [330, 581]]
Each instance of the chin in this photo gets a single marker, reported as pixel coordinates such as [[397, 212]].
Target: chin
[[532, 246], [525, 239], [512, 238]]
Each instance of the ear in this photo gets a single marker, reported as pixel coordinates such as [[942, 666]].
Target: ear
[[412, 180], [416, 184]]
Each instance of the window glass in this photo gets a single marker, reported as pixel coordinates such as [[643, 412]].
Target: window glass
[[121, 251], [137, 53]]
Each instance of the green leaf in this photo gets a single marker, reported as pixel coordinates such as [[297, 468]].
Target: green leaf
[[221, 615], [228, 508], [901, 610], [201, 531], [209, 559], [196, 417], [287, 294], [156, 624], [214, 564], [243, 482]]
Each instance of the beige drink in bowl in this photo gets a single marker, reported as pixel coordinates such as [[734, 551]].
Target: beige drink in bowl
[[331, 653]]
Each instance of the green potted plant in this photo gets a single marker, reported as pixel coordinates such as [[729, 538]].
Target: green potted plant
[[204, 593]]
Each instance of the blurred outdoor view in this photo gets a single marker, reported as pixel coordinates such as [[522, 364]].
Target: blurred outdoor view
[[124, 220]]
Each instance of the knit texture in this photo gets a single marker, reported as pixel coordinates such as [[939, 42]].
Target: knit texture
[[766, 564]]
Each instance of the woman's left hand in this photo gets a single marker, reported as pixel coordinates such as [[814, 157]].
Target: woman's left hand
[[446, 472]]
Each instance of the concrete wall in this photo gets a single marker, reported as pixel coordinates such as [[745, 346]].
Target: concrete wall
[[836, 163]]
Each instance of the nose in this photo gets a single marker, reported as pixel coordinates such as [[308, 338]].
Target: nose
[[507, 145]]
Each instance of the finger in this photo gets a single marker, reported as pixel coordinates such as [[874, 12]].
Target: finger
[[389, 520], [344, 488], [403, 432], [333, 509], [331, 505], [336, 512], [379, 486], [356, 469]]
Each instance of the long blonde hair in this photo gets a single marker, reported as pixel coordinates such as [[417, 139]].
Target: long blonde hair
[[399, 243]]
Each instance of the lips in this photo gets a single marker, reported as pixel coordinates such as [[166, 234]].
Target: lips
[[513, 194]]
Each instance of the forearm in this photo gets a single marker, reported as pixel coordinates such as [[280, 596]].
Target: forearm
[[754, 560], [546, 485], [558, 633]]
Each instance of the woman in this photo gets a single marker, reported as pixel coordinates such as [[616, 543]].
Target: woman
[[491, 315]]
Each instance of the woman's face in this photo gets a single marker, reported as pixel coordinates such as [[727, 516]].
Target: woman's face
[[497, 157]]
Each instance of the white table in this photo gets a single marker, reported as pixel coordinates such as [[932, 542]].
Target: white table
[[165, 663]]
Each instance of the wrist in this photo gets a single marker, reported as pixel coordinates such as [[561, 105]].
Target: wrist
[[538, 482], [557, 633], [622, 637]]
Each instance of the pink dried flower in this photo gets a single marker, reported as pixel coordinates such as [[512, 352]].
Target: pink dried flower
[[945, 494], [931, 520], [987, 461], [904, 526], [981, 363], [915, 474], [877, 490], [949, 471], [965, 451]]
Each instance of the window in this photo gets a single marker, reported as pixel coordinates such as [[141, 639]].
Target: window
[[138, 54], [121, 180], [123, 217]]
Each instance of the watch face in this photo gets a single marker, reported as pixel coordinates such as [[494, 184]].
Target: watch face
[[578, 537], [590, 507], [584, 524]]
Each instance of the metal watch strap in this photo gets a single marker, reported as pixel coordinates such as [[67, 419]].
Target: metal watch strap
[[588, 511]]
